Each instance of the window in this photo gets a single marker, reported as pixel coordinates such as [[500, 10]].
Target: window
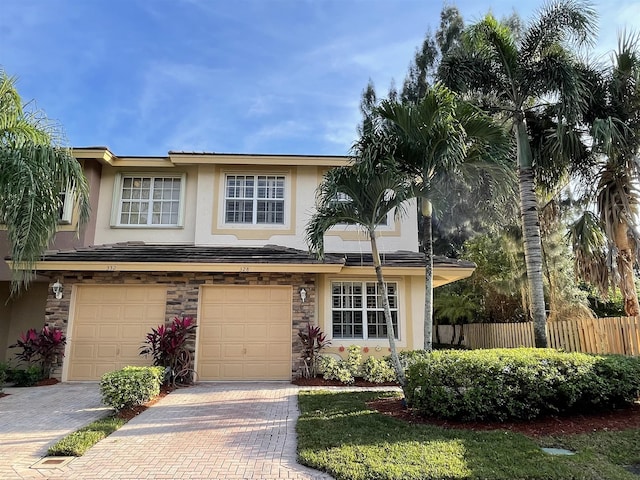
[[65, 211], [150, 200], [356, 310], [254, 199], [342, 197]]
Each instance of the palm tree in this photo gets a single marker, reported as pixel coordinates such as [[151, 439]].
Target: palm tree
[[606, 244], [34, 175], [519, 71], [449, 146], [368, 191]]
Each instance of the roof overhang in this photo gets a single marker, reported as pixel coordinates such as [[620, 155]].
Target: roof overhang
[[141, 257], [106, 157]]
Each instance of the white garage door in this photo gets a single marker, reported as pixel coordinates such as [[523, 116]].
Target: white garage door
[[109, 325], [244, 333]]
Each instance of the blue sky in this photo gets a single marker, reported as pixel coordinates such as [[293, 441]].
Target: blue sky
[[143, 77]]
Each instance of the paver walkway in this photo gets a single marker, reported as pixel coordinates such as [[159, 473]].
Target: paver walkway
[[32, 419], [210, 431]]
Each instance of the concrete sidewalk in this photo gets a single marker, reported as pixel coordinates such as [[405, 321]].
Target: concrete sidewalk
[[210, 431]]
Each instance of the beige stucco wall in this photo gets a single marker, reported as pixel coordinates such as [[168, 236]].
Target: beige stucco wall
[[106, 234], [301, 185], [20, 314]]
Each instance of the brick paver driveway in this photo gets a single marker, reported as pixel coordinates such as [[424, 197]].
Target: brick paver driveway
[[212, 430], [32, 419]]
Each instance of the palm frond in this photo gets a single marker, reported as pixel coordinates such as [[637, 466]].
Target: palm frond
[[589, 243], [560, 21], [34, 173]]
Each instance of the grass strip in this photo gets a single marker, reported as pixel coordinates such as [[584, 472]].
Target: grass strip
[[338, 434], [77, 443]]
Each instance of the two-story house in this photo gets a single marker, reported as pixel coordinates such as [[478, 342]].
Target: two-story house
[[220, 238]]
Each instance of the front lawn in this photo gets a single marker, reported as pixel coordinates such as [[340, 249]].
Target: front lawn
[[338, 434]]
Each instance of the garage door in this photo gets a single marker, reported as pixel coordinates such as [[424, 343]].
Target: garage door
[[244, 333], [109, 324]]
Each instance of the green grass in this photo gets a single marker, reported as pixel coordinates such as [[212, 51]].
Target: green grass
[[78, 442], [338, 434]]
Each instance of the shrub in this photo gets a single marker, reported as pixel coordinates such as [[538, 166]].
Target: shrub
[[130, 386], [378, 370], [524, 383], [26, 377], [169, 347], [313, 342], [42, 347], [344, 371]]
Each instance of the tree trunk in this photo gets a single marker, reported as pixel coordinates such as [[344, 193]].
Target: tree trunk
[[625, 263], [427, 245], [382, 288], [531, 234]]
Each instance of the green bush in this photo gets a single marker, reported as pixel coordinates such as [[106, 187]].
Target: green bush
[[27, 377], [378, 370], [523, 383], [344, 371], [131, 386], [4, 374]]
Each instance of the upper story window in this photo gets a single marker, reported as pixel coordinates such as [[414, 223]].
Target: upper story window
[[342, 197], [357, 312], [65, 212], [146, 200], [254, 199]]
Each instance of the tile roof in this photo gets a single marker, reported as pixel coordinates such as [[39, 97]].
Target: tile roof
[[269, 254]]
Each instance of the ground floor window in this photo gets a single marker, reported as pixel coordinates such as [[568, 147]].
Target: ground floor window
[[356, 310]]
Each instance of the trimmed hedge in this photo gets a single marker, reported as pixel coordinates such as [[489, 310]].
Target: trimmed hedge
[[524, 383], [131, 386]]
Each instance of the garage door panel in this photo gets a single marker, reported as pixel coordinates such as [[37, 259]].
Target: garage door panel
[[233, 332], [82, 371], [210, 352], [232, 351], [83, 351], [109, 325], [83, 332], [236, 332], [278, 331], [108, 331], [209, 332], [256, 332]]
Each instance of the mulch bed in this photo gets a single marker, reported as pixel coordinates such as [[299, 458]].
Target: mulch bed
[[622, 419]]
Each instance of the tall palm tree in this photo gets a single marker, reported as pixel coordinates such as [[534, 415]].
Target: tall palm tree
[[34, 175], [519, 71], [367, 191], [449, 147], [607, 246]]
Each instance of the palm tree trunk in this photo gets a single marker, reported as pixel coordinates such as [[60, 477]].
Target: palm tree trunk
[[625, 262], [382, 288], [427, 245], [531, 234]]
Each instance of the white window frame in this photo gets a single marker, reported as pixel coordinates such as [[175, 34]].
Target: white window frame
[[364, 309], [255, 199], [66, 209], [116, 209]]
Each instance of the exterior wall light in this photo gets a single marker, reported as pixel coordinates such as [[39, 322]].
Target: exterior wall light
[[57, 289], [303, 295]]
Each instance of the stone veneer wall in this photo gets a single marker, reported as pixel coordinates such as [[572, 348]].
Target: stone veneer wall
[[182, 295]]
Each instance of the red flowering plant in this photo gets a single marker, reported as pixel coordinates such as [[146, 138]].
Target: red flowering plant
[[44, 347], [169, 347], [313, 341]]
